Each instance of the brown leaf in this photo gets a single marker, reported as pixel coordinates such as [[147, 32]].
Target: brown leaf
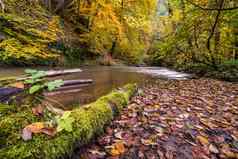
[[49, 131], [38, 111], [228, 153], [35, 127]]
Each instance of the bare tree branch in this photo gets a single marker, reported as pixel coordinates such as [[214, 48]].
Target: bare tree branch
[[211, 9], [215, 25]]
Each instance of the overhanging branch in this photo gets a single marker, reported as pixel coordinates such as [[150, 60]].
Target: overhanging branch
[[211, 9]]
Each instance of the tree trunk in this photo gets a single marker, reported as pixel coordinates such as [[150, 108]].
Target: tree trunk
[[2, 6]]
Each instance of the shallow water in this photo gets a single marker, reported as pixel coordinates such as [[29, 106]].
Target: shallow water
[[105, 79]]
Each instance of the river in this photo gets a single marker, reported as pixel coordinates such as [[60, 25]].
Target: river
[[105, 79]]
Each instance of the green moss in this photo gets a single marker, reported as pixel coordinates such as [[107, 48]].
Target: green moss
[[5, 109], [90, 120], [28, 30]]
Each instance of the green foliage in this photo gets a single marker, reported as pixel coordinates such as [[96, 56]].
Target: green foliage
[[54, 84], [35, 88], [38, 84], [65, 122], [189, 38]]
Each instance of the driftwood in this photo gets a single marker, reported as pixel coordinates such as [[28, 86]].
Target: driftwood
[[61, 92], [69, 86], [6, 93], [51, 73], [76, 82], [54, 73]]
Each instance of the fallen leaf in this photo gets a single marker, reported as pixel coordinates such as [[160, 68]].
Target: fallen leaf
[[213, 149], [203, 140], [119, 135], [35, 127], [26, 134], [147, 142], [117, 149], [184, 116], [18, 85], [228, 153], [49, 131], [96, 152], [158, 129], [38, 111]]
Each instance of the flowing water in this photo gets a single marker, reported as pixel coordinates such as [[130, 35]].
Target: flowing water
[[105, 79]]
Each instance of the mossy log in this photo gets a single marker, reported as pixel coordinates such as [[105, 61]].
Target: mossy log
[[90, 121]]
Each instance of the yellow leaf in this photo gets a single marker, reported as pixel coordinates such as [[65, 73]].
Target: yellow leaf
[[203, 140], [117, 149]]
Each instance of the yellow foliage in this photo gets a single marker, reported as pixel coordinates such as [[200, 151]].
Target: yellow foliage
[[123, 24]]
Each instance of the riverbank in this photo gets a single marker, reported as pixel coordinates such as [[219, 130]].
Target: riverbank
[[173, 119]]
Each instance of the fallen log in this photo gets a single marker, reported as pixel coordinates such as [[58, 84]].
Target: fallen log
[[89, 121]]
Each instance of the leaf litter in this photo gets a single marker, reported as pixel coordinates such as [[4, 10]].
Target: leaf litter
[[192, 119]]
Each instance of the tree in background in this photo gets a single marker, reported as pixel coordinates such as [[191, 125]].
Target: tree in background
[[198, 33], [119, 28]]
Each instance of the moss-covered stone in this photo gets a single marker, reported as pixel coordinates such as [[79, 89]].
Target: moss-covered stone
[[89, 120]]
